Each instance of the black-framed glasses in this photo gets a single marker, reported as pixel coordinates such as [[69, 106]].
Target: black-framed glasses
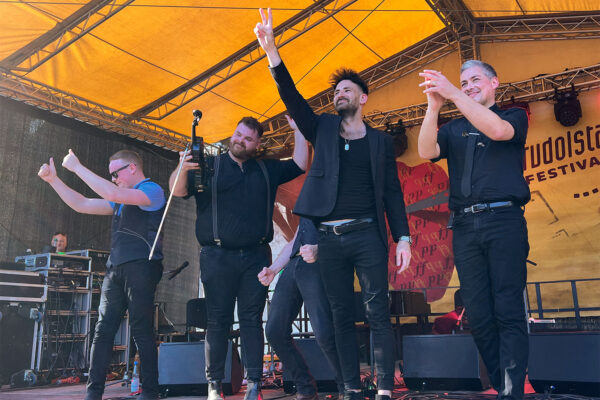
[[115, 173]]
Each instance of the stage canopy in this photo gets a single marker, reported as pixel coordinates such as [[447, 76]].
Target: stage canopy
[[139, 68]]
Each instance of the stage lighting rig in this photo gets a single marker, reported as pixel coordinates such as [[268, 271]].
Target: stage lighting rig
[[398, 132], [567, 108]]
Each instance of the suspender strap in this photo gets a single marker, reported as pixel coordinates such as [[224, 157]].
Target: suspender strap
[[213, 191], [261, 164]]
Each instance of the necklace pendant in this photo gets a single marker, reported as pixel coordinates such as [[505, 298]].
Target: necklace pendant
[[346, 147]]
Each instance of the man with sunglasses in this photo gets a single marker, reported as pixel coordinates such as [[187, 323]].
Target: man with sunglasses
[[137, 205]]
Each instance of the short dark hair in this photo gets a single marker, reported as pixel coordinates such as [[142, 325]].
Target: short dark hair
[[253, 124], [488, 70], [129, 156], [59, 233], [346, 74]]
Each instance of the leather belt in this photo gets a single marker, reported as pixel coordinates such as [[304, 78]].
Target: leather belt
[[477, 208], [346, 227]]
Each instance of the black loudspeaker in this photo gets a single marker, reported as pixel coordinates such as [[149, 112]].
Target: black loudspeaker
[[181, 369], [317, 364], [16, 339], [443, 362], [565, 362]]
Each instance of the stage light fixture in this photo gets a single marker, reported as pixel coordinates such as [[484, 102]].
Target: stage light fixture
[[398, 132], [567, 108]]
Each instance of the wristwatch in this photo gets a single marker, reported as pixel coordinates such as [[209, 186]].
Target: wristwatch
[[406, 239]]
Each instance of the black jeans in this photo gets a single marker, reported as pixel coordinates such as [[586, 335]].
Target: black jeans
[[339, 256], [490, 250], [128, 286], [301, 282], [227, 275]]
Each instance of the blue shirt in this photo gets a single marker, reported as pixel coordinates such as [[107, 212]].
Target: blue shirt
[[154, 192]]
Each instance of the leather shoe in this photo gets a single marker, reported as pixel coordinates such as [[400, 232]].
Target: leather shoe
[[350, 395], [253, 391], [314, 396], [215, 391]]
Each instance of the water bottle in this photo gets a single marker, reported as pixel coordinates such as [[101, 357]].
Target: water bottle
[[135, 378]]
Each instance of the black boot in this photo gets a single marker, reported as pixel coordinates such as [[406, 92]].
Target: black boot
[[253, 391], [215, 391]]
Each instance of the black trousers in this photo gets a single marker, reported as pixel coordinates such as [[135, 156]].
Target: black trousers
[[131, 287], [339, 257], [490, 251], [228, 275], [300, 282]]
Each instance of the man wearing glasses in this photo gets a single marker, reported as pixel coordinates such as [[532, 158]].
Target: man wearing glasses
[[137, 205]]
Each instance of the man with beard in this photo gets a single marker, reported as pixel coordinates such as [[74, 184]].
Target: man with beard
[[350, 189], [236, 248], [485, 152], [137, 205]]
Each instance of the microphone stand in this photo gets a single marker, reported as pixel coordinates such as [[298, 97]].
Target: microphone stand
[[197, 116]]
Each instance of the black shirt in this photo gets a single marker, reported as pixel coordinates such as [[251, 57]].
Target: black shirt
[[241, 201], [497, 165], [355, 194], [307, 234]]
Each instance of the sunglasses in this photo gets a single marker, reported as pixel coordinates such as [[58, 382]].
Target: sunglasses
[[115, 173]]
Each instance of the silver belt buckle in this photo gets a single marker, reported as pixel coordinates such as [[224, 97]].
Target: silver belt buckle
[[477, 208], [335, 229]]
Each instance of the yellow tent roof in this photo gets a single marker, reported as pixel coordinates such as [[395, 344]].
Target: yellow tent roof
[[148, 63]]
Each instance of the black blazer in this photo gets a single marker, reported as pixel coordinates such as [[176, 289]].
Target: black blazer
[[318, 195]]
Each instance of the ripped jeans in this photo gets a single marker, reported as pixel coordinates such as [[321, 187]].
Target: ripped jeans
[[339, 256]]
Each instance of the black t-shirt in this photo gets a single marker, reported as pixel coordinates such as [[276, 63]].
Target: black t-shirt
[[241, 201], [497, 165], [355, 194]]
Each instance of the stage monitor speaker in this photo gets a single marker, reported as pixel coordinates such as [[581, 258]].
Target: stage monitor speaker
[[443, 362], [317, 364], [16, 339], [565, 362], [181, 369]]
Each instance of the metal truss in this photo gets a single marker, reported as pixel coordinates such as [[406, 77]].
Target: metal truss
[[42, 96], [62, 35], [535, 89], [460, 21], [240, 60], [520, 28], [545, 27]]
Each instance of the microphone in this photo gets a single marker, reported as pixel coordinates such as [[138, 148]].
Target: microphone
[[176, 272], [197, 114]]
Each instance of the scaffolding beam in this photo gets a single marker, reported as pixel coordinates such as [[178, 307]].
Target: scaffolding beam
[[64, 33]]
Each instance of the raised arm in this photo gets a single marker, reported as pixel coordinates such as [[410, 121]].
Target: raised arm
[[482, 118], [104, 188], [180, 189], [73, 199], [300, 156], [427, 142], [266, 39], [296, 105]]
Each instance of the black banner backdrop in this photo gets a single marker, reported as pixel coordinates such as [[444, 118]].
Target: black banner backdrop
[[30, 210]]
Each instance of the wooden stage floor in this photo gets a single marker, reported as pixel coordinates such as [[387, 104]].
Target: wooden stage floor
[[119, 392]]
